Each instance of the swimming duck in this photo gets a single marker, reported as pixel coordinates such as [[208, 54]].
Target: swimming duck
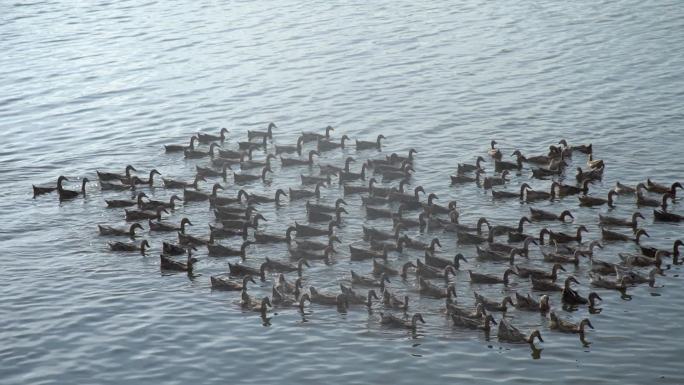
[[364, 145], [529, 303], [242, 270], [260, 237], [210, 172], [118, 203], [560, 258], [564, 326], [429, 289], [662, 189], [327, 169], [492, 305], [313, 136], [187, 239], [288, 149], [535, 195], [107, 186], [240, 223], [562, 237], [207, 138], [569, 295], [419, 245], [590, 175], [136, 215], [490, 279], [286, 287], [248, 164], [491, 181], [474, 323], [503, 229], [385, 269], [500, 165], [461, 179], [196, 196], [612, 221], [490, 255], [362, 280], [508, 194], [397, 196], [130, 232], [651, 251], [252, 198], [121, 246], [404, 173], [110, 176], [179, 147], [382, 235], [315, 216], [345, 176], [509, 333], [282, 299], [155, 204], [642, 200], [312, 207], [394, 321], [425, 271], [642, 260], [355, 298], [624, 189], [664, 216], [288, 162], [538, 159], [260, 306], [310, 179], [478, 313], [310, 231], [434, 208], [282, 267], [541, 215], [218, 250], [597, 281], [315, 245], [583, 148], [251, 134], [136, 180], [223, 283], [594, 163], [327, 145], [40, 190], [525, 272], [464, 168], [312, 255], [358, 254], [197, 154], [234, 213], [302, 194], [166, 226], [323, 298], [544, 173], [493, 151], [601, 267], [634, 278], [250, 145], [466, 238], [389, 300], [170, 183], [351, 189], [167, 263], [589, 201], [409, 223], [539, 284], [607, 235], [378, 245], [69, 194], [409, 157]]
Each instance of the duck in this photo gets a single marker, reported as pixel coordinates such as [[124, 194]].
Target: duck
[[289, 149], [312, 255], [374, 212], [429, 289], [173, 249], [509, 333], [624, 189], [535, 195], [249, 164], [366, 145], [311, 179], [359, 254], [398, 158], [69, 194], [283, 299], [252, 198], [327, 169], [539, 159], [166, 263], [208, 138], [210, 172], [315, 216], [597, 281], [107, 186], [466, 238], [434, 208], [196, 196], [235, 213], [286, 287], [583, 148], [320, 208], [119, 203], [135, 215], [493, 151], [492, 305], [187, 239], [664, 216], [541, 215], [261, 134], [662, 189], [490, 279], [426, 271], [509, 195], [432, 260], [634, 278], [112, 176], [389, 300], [474, 323], [354, 189], [608, 235], [130, 232], [250, 145], [323, 298], [590, 201], [555, 257], [566, 190], [355, 298], [601, 267], [462, 179], [398, 196], [385, 269], [378, 245], [174, 184], [590, 175], [651, 251], [504, 229], [129, 247], [571, 296], [166, 226], [613, 221], [418, 245], [642, 200], [313, 136], [260, 306], [315, 245], [492, 181], [371, 281], [223, 283], [218, 250], [544, 173], [345, 176], [525, 272], [478, 313], [242, 270], [369, 232], [561, 325], [168, 148], [310, 231], [282, 267], [155, 204], [197, 154], [404, 173], [327, 145], [500, 165], [464, 168], [529, 303], [409, 223], [642, 260], [40, 190], [225, 232], [562, 237], [303, 194], [136, 180], [490, 255], [289, 162], [227, 201], [392, 320]]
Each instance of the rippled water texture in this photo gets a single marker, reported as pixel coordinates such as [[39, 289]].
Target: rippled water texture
[[98, 85]]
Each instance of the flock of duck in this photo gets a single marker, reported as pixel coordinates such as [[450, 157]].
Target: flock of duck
[[382, 185]]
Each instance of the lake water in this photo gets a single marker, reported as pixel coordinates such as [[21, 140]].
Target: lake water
[[98, 85]]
